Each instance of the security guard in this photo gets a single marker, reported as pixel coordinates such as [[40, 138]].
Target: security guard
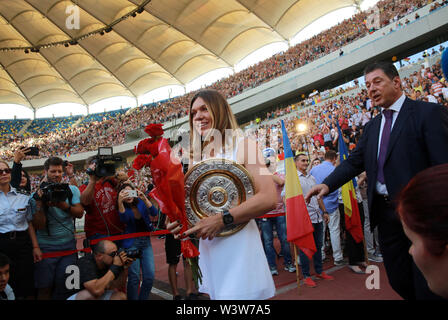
[[17, 236]]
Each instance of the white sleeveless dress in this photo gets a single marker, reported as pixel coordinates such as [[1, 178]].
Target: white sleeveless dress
[[235, 267]]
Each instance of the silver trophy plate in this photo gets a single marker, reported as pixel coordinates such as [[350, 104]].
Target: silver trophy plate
[[213, 186]]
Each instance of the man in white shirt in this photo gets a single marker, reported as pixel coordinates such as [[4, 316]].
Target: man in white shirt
[[445, 93], [315, 206], [431, 97], [436, 87]]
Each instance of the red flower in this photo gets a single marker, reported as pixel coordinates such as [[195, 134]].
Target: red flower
[[131, 173], [153, 148], [144, 146], [154, 129], [141, 161]]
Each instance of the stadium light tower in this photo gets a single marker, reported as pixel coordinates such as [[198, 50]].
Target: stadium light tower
[[302, 128]]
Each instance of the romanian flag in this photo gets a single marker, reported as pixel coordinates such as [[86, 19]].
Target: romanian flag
[[299, 228], [352, 216]]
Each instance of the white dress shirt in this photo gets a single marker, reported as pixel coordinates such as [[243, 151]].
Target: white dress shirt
[[396, 107], [307, 182]]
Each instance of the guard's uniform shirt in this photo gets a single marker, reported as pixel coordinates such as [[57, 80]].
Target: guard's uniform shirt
[[15, 211]]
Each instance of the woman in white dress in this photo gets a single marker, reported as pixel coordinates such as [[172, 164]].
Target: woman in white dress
[[233, 267]]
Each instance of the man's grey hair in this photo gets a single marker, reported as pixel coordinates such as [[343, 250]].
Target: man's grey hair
[[100, 247]]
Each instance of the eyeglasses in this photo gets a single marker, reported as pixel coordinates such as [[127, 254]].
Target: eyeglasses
[[3, 171]]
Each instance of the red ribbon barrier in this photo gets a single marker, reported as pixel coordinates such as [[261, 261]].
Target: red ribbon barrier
[[271, 215], [56, 254]]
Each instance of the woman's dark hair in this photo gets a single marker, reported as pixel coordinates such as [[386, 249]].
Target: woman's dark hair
[[27, 187], [121, 187], [423, 207]]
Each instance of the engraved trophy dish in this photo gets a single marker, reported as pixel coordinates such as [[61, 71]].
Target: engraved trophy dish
[[215, 185]]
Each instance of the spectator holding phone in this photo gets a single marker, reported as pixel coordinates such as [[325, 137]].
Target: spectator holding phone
[[134, 210], [20, 179]]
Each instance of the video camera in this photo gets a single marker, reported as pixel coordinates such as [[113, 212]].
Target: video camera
[[55, 192], [105, 163]]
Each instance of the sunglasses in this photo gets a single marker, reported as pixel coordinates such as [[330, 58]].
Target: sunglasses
[[113, 254], [3, 171]]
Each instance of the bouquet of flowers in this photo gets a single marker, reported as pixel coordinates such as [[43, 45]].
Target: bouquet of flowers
[[169, 190]]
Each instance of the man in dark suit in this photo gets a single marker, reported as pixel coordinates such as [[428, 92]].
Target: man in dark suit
[[406, 138]]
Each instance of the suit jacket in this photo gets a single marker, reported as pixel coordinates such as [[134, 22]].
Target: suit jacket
[[418, 140]]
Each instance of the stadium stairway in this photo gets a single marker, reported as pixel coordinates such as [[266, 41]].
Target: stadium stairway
[[80, 120], [25, 127]]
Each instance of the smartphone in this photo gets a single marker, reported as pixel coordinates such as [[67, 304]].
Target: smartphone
[[34, 151], [132, 193]]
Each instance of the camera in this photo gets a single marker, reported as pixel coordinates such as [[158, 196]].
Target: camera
[[55, 192], [132, 193], [105, 163], [132, 253]]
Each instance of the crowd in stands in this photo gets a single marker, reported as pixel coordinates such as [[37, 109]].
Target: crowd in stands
[[61, 136], [351, 112], [10, 128], [86, 136]]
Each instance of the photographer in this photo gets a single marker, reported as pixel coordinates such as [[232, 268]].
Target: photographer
[[57, 205], [70, 173], [135, 208], [121, 177], [102, 272], [99, 198]]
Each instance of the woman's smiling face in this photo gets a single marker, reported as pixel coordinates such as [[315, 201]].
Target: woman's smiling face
[[202, 119]]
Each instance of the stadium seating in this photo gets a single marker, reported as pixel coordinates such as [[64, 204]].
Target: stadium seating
[[117, 123]]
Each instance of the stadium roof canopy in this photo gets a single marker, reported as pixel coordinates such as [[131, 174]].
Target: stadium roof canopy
[[170, 42]]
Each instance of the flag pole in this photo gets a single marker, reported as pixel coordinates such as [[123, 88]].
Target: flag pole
[[365, 252], [366, 257], [297, 268]]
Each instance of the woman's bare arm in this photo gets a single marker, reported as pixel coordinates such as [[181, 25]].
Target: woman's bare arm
[[264, 200]]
